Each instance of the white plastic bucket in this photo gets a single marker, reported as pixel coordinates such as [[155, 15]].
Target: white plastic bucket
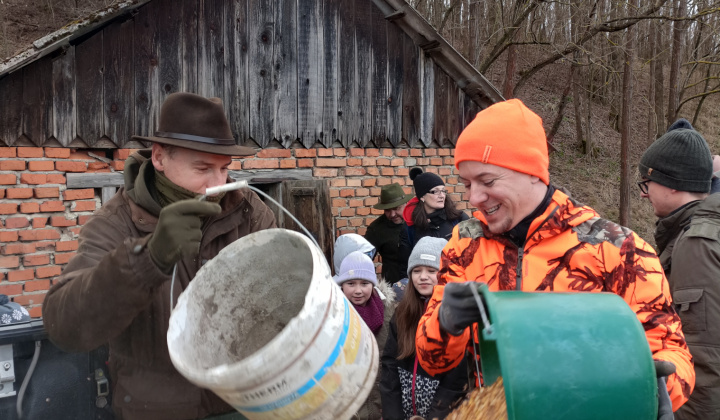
[[264, 326]]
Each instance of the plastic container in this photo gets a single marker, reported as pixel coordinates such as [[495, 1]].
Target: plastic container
[[264, 326], [568, 356]]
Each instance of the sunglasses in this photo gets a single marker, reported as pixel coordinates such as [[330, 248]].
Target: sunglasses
[[643, 185]]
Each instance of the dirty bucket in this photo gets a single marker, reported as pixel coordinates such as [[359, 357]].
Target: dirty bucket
[[264, 326], [568, 356]]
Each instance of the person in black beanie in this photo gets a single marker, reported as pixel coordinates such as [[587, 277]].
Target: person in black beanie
[[435, 213], [676, 172]]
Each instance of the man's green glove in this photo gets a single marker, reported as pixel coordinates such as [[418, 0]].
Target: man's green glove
[[664, 369], [458, 309], [178, 231]]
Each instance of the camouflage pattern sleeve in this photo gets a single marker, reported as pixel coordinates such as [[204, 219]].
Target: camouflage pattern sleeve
[[639, 279]]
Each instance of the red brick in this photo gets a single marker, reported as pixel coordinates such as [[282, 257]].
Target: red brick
[[400, 181], [353, 182], [78, 194], [261, 164], [355, 202], [436, 161], [325, 173], [403, 171], [348, 192], [7, 179], [305, 153], [341, 223], [339, 152], [62, 246], [373, 171], [384, 181], [49, 192], [356, 222], [305, 163], [34, 299], [8, 208], [36, 285], [288, 163], [355, 171], [383, 162], [445, 152], [324, 152], [118, 166], [70, 166], [338, 182], [347, 212], [422, 162], [445, 171], [362, 192], [35, 312], [372, 152], [41, 165], [61, 221], [57, 152], [19, 192], [354, 162], [30, 152], [79, 155], [39, 222], [16, 222], [375, 191], [20, 275], [56, 179], [235, 165], [2, 193], [430, 152], [356, 151], [9, 236], [64, 257], [397, 162], [7, 152], [37, 259], [122, 154], [33, 179], [10, 289], [19, 248], [49, 271], [402, 152], [416, 152], [9, 262], [39, 234], [12, 165], [274, 153], [368, 182], [387, 171], [97, 166], [334, 193], [90, 205], [369, 162], [339, 202], [334, 163], [52, 206], [371, 201], [82, 219], [29, 207], [363, 211]]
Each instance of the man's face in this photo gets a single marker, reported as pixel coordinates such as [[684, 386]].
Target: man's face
[[660, 198], [190, 169], [395, 214], [502, 195]]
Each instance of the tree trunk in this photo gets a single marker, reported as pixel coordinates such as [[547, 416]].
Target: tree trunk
[[652, 50], [577, 103], [625, 136], [677, 47], [561, 107], [659, 82], [510, 72]]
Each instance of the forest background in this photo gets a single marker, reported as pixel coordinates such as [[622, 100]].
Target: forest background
[[607, 76]]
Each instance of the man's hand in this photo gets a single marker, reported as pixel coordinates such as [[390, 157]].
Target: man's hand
[[178, 231], [664, 369], [458, 309]]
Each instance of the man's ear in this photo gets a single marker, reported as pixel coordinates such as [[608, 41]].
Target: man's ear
[[534, 179], [159, 155]]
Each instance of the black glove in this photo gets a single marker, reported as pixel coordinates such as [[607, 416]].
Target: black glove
[[664, 369], [458, 309], [178, 231]]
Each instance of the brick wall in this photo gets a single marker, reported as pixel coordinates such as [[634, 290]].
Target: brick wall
[[40, 218]]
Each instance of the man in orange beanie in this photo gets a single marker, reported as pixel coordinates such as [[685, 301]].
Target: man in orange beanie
[[526, 235]]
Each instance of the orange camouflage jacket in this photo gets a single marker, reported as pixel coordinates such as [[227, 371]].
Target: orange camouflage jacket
[[568, 248]]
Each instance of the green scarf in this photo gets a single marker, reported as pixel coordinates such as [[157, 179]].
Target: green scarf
[[167, 192]]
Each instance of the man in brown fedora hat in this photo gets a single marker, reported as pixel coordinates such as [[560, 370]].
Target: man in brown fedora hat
[[116, 290], [385, 232]]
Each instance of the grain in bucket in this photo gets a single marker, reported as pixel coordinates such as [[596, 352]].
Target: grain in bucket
[[264, 326]]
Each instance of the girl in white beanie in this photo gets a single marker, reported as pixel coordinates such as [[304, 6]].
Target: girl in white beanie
[[406, 389]]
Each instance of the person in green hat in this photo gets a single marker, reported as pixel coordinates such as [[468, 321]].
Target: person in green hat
[[386, 233]]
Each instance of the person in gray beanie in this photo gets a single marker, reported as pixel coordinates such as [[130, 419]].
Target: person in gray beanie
[[676, 172]]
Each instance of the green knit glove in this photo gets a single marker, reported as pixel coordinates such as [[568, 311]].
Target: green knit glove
[[178, 231]]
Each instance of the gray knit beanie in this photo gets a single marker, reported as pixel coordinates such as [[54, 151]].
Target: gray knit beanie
[[680, 160], [426, 252]]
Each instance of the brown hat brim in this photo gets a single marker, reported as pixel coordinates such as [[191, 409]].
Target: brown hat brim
[[393, 204], [232, 150]]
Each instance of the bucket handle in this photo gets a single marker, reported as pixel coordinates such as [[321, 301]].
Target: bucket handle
[[232, 186], [486, 325]]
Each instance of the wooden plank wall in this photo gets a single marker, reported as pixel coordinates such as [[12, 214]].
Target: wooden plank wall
[[328, 72]]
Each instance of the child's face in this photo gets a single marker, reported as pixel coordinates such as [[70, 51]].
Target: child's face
[[357, 291], [424, 278]]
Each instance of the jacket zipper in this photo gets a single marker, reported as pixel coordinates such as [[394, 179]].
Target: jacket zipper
[[521, 251]]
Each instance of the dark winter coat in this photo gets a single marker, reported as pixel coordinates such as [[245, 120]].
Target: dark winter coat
[[386, 236], [689, 245], [112, 292], [433, 395], [438, 227]]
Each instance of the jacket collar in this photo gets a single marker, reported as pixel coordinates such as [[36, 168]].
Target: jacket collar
[[670, 226]]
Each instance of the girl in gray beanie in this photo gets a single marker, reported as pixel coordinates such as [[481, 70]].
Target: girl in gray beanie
[[406, 389]]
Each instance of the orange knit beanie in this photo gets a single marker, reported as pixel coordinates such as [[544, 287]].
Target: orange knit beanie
[[506, 134]]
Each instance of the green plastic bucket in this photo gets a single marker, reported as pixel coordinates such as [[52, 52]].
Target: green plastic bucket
[[567, 356]]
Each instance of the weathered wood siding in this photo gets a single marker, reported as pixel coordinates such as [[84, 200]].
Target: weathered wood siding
[[333, 72]]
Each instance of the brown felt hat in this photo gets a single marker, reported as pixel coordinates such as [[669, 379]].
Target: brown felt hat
[[198, 123], [391, 196]]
